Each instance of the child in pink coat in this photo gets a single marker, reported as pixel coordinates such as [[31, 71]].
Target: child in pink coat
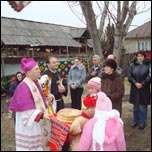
[[103, 132], [88, 110]]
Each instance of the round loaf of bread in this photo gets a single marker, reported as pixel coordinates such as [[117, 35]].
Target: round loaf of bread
[[68, 115]]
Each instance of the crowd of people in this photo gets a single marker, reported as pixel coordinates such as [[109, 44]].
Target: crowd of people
[[100, 126]]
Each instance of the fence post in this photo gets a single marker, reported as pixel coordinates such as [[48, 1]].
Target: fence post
[[4, 104]]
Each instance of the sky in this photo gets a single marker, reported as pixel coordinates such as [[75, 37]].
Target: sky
[[58, 12]]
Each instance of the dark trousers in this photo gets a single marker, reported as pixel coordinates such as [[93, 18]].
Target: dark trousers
[[60, 104], [76, 98], [140, 114]]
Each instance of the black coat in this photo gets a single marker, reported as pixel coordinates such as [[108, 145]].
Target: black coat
[[54, 84], [139, 73]]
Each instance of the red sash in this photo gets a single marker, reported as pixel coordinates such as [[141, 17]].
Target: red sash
[[59, 133]]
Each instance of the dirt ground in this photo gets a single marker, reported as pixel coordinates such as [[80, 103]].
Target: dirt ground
[[136, 140]]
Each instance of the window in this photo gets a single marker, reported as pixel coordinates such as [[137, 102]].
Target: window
[[143, 46]]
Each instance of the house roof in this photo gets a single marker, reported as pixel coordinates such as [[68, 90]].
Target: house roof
[[25, 32], [143, 31], [77, 32], [90, 43]]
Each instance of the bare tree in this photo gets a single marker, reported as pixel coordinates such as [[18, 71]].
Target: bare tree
[[122, 21], [116, 35], [107, 42], [96, 34]]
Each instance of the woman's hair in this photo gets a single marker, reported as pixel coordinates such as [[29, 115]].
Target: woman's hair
[[18, 73]]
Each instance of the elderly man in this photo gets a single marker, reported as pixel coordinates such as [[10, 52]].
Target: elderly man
[[28, 102], [95, 69]]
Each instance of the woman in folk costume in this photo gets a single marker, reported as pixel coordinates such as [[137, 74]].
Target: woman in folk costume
[[29, 104], [103, 132], [88, 110]]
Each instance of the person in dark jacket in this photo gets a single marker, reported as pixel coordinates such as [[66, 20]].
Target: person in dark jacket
[[95, 69], [12, 88], [58, 86], [14, 84], [112, 84], [139, 77]]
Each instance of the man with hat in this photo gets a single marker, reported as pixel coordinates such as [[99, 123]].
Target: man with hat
[[28, 102]]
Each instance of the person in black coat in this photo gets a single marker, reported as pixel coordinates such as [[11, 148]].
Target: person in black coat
[[14, 84], [138, 76], [12, 88], [58, 86]]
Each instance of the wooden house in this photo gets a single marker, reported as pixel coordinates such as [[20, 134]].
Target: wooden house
[[24, 38], [20, 38]]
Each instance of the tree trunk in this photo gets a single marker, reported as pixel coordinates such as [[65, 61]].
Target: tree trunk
[[89, 15], [121, 27], [118, 45]]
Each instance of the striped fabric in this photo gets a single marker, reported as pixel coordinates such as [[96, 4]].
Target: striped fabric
[[59, 134], [24, 142]]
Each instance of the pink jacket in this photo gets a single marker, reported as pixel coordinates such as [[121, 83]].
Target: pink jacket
[[114, 139]]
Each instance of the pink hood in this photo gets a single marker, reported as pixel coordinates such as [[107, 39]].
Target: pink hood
[[114, 139]]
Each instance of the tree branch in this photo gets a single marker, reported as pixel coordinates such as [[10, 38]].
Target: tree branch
[[124, 11], [102, 21], [132, 13]]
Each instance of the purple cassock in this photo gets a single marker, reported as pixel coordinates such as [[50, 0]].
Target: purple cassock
[[23, 99]]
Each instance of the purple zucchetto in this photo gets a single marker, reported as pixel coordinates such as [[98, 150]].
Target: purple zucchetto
[[27, 64]]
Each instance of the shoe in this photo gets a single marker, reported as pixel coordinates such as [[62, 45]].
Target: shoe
[[134, 126], [142, 127]]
